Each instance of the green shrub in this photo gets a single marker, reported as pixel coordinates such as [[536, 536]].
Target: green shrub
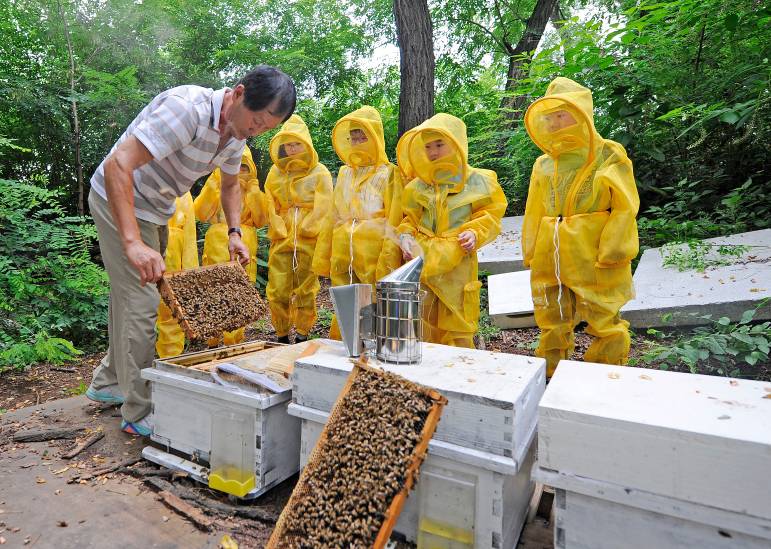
[[721, 347], [53, 297]]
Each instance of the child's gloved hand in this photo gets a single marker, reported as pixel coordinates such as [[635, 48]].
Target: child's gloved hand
[[467, 240], [409, 246]]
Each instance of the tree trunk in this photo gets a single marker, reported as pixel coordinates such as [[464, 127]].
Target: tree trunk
[[74, 109], [414, 34], [512, 105]]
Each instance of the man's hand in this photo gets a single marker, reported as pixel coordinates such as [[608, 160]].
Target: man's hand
[[147, 261], [467, 240], [238, 250]]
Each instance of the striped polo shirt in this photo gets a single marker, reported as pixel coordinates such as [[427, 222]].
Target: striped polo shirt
[[180, 129]]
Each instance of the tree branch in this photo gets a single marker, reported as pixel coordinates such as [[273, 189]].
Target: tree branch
[[505, 47]]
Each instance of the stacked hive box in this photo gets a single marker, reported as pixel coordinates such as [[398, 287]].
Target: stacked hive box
[[643, 458], [474, 486]]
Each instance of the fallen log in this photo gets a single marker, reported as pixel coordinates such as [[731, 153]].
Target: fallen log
[[224, 509], [105, 470], [41, 435], [186, 510], [88, 441]]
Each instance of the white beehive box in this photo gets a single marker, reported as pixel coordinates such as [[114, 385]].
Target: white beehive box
[[492, 397], [473, 498], [185, 401], [688, 441], [475, 485], [701, 439], [592, 514]]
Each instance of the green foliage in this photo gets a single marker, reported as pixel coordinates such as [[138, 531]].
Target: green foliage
[[486, 327], [324, 319], [51, 292], [742, 209], [79, 390], [699, 255], [721, 347]]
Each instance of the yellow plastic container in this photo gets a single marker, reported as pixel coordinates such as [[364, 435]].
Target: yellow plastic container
[[232, 458], [233, 481]]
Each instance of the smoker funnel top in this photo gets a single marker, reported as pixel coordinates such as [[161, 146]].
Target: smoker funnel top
[[407, 276]]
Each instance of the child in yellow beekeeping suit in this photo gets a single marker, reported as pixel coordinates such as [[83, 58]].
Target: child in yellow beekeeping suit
[[579, 233], [181, 253], [361, 246], [208, 209], [450, 211], [299, 199]]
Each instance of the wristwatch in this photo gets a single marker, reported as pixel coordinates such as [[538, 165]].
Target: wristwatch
[[232, 230]]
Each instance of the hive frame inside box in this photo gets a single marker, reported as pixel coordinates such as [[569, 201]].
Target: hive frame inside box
[[591, 514], [502, 487], [184, 399]]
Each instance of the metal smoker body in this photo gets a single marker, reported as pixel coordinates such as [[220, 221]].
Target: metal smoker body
[[392, 322]]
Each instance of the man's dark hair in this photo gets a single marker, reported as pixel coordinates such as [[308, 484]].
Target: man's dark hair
[[264, 85]]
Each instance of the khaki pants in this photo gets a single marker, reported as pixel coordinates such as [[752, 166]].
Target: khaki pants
[[132, 313]]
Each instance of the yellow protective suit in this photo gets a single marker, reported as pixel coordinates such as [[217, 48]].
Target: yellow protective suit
[[447, 198], [579, 233], [208, 209], [299, 200], [403, 157], [361, 245], [181, 253]]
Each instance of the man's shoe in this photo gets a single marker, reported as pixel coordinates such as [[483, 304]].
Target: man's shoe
[[142, 427], [108, 395], [299, 338], [283, 339]]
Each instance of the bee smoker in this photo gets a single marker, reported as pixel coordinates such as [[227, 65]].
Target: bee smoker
[[391, 324]]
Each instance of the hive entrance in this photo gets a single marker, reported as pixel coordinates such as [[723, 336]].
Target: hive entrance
[[209, 300], [365, 462]]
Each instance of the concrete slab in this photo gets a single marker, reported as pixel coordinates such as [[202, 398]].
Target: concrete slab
[[510, 300], [36, 503], [719, 291], [504, 254]]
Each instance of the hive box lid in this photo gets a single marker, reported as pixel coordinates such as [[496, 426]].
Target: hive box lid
[[492, 397], [666, 296], [701, 439], [510, 300], [504, 254]]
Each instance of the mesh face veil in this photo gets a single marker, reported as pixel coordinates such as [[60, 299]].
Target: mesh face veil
[[355, 144], [559, 127], [292, 154], [436, 158]]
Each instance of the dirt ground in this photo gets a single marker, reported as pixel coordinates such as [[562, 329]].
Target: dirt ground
[[49, 501]]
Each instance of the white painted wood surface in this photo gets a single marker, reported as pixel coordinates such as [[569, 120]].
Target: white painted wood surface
[[584, 522], [504, 254], [721, 291], [700, 439], [662, 505], [492, 397], [500, 500], [510, 300]]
